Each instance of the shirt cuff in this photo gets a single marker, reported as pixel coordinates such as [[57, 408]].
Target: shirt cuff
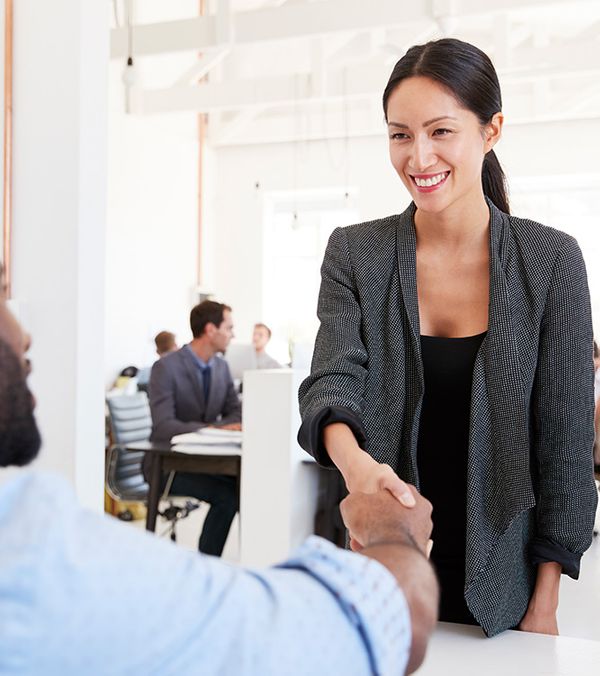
[[544, 550], [310, 435], [369, 596]]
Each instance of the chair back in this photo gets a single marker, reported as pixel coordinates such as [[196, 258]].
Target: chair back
[[130, 421]]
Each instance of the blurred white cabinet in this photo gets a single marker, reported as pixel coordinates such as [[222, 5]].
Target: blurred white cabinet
[[279, 487]]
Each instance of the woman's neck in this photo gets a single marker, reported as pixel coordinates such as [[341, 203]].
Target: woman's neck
[[461, 225]]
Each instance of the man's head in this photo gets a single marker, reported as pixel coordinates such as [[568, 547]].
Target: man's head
[[261, 336], [19, 436], [165, 343], [212, 323]]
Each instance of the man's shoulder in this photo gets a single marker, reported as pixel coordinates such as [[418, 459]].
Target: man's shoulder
[[31, 501]]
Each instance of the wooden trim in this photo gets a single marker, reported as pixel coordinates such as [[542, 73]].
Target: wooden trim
[[8, 150]]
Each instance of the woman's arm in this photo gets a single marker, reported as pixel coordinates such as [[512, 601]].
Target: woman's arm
[[332, 397], [362, 473], [541, 612], [562, 436]]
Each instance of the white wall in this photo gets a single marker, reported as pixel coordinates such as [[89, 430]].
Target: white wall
[[59, 190], [151, 231], [152, 213], [240, 206]]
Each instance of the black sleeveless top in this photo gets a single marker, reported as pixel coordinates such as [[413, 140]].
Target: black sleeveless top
[[442, 454]]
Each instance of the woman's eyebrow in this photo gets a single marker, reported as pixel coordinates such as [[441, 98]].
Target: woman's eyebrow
[[400, 125]]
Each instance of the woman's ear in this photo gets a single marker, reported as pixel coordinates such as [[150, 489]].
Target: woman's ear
[[493, 131]]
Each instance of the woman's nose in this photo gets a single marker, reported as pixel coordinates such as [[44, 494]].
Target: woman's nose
[[422, 156]]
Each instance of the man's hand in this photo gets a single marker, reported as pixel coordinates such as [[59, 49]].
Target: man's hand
[[379, 518], [236, 427]]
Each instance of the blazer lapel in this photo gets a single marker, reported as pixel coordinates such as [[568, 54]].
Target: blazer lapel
[[215, 388], [499, 476], [406, 243], [193, 375]]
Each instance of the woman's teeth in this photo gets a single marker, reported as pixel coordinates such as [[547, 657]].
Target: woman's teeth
[[433, 180]]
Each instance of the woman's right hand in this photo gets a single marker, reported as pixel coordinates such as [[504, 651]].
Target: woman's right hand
[[369, 476]]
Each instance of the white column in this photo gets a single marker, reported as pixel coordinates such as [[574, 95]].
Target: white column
[[61, 52]]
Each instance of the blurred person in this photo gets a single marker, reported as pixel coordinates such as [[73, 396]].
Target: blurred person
[[261, 335], [64, 571], [165, 343], [190, 389]]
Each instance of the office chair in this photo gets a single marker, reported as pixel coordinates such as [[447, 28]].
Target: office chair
[[130, 421]]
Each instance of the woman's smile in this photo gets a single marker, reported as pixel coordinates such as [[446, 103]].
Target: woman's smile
[[429, 182]]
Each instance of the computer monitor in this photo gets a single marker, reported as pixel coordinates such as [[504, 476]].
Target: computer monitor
[[240, 358]]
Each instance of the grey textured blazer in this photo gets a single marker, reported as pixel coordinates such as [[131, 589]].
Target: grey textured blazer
[[177, 399], [530, 472]]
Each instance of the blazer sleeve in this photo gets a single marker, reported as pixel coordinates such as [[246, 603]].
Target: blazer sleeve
[[232, 408], [563, 417], [334, 390], [165, 423]]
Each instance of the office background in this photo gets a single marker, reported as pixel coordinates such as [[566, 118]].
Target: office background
[[106, 202]]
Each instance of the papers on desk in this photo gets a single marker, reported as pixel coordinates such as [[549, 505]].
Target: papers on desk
[[208, 440]]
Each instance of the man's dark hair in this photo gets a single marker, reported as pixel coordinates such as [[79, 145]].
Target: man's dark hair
[[207, 312], [19, 436], [164, 341]]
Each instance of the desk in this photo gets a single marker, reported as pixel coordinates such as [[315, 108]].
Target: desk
[[462, 650], [208, 460]]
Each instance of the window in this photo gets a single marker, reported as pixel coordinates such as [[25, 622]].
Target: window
[[297, 228]]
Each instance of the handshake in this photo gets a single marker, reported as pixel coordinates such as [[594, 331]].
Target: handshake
[[379, 518], [397, 536]]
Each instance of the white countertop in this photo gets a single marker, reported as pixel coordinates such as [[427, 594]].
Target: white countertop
[[462, 650]]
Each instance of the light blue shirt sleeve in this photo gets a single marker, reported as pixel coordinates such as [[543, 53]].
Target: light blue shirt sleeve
[[85, 594]]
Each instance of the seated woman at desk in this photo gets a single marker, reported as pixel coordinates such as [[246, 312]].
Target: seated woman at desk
[[455, 353]]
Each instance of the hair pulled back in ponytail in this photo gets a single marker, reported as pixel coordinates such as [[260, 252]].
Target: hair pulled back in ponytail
[[469, 75]]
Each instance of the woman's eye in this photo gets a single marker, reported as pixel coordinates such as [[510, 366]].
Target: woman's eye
[[442, 132], [398, 136]]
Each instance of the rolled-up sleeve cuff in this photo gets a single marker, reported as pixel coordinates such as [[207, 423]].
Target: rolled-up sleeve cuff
[[369, 597], [544, 550], [310, 435]]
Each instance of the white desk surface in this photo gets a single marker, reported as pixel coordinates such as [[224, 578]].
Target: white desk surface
[[208, 449], [462, 650]]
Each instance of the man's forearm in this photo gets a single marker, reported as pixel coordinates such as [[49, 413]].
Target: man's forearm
[[417, 580]]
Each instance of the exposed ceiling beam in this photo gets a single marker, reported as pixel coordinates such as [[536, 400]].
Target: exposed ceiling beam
[[202, 66], [366, 82], [300, 20]]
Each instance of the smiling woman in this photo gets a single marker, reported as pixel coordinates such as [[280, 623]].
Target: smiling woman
[[455, 353]]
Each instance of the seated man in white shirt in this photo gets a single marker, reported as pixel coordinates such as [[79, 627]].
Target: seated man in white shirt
[[261, 335], [82, 593]]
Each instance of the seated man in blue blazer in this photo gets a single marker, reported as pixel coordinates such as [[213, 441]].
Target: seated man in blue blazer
[[192, 388]]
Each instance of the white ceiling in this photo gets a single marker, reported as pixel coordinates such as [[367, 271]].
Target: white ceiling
[[301, 69]]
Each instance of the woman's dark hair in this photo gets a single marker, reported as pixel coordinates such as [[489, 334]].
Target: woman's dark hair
[[469, 75]]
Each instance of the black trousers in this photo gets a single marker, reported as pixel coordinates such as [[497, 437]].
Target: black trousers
[[221, 493]]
